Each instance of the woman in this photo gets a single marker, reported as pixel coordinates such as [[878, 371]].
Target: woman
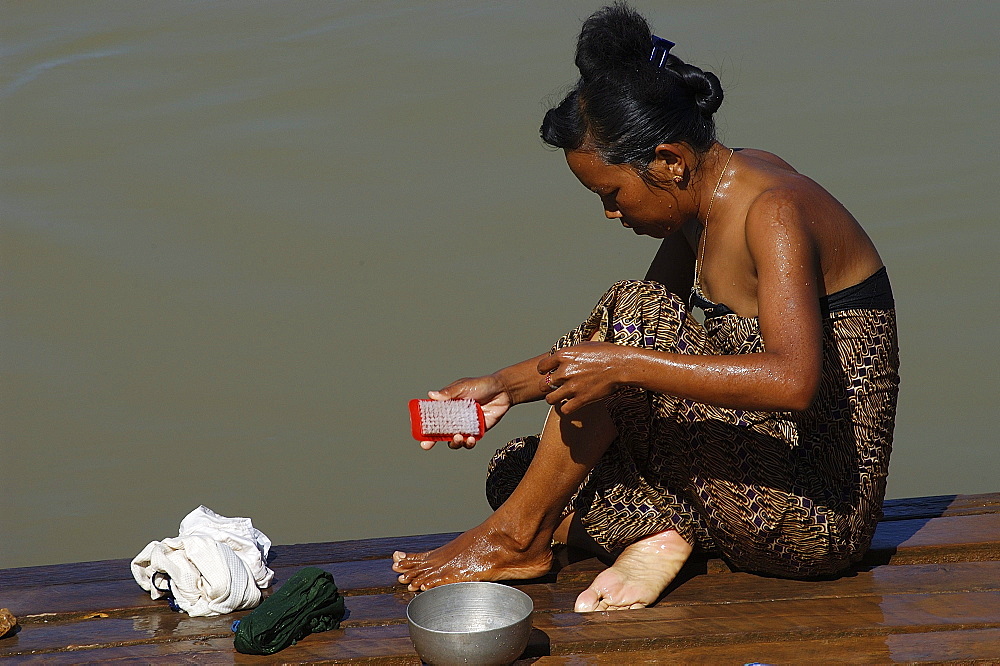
[[763, 434]]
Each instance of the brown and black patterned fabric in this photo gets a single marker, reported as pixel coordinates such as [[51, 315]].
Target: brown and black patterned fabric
[[783, 493]]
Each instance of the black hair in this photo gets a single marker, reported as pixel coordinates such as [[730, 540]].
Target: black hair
[[624, 106]]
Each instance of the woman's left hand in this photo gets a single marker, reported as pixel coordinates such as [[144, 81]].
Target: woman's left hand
[[576, 376]]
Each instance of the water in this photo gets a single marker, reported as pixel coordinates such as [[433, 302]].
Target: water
[[237, 237]]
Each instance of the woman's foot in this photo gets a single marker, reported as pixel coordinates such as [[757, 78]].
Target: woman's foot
[[487, 552], [638, 576]]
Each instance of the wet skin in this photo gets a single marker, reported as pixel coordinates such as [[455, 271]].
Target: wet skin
[[776, 242], [514, 542]]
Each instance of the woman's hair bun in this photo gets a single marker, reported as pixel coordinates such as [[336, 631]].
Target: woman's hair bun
[[705, 87], [712, 100], [625, 105], [617, 41], [613, 39]]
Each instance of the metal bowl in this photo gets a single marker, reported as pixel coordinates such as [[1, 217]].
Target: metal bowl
[[470, 623]]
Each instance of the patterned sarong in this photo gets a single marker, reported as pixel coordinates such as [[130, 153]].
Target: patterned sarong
[[783, 493]]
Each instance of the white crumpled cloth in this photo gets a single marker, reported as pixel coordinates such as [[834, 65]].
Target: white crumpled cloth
[[215, 565]]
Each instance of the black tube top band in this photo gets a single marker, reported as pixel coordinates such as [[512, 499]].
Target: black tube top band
[[872, 293]]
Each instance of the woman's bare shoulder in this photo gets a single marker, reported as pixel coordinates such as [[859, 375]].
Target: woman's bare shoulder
[[765, 156]]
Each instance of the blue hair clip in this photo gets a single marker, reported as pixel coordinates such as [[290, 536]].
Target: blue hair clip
[[661, 49]]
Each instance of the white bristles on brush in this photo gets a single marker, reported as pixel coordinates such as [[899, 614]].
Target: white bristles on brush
[[442, 419]]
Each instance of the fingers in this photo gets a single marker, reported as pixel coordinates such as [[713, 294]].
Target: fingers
[[556, 394], [567, 400], [456, 389], [548, 382], [548, 367], [459, 442], [480, 389], [566, 407], [548, 363]]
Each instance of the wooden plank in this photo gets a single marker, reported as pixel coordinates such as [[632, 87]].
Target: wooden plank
[[304, 554], [68, 599], [212, 651], [784, 621], [940, 506], [884, 580], [296, 555], [673, 628], [162, 624], [63, 601], [974, 645], [748, 588], [949, 539], [67, 602], [940, 646], [383, 547], [339, 644], [55, 574], [968, 538], [942, 575], [97, 633], [299, 555], [740, 595]]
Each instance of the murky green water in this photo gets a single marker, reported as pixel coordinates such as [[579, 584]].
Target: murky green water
[[237, 237]]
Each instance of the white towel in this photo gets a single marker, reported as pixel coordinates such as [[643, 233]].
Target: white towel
[[214, 566]]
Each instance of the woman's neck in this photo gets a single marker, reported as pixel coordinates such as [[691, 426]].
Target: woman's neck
[[712, 181]]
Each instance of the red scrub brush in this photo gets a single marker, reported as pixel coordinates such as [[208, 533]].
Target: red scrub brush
[[441, 420]]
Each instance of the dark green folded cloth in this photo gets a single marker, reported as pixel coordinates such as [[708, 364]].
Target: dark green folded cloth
[[307, 603]]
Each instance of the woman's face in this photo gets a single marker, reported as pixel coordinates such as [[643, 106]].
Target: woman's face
[[627, 197]]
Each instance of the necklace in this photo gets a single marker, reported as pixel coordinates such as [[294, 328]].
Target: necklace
[[708, 213]]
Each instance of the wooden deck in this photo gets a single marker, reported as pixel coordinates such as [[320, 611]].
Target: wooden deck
[[929, 590]]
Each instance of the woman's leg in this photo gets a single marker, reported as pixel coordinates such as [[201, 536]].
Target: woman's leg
[[630, 515], [514, 542]]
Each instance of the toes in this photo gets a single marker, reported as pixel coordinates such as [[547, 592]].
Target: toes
[[587, 601], [406, 575], [410, 569], [421, 584], [416, 558], [428, 584], [403, 562], [402, 566], [425, 579], [412, 580]]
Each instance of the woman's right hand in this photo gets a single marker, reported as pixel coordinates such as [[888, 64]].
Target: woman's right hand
[[488, 391]]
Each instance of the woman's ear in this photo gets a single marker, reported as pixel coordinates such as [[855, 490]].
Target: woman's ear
[[673, 162]]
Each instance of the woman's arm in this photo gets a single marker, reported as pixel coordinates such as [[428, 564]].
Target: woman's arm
[[496, 393], [521, 381], [783, 377]]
